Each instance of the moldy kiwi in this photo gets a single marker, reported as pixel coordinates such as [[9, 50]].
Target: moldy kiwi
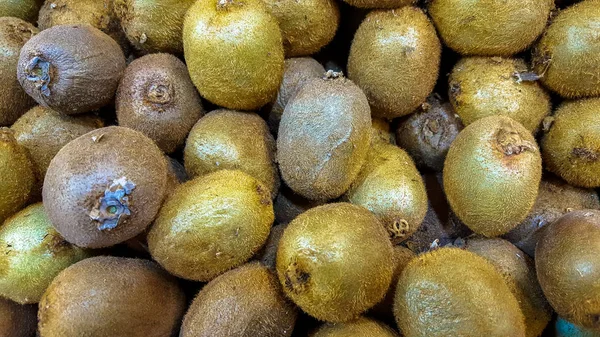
[[564, 328], [380, 3], [288, 205], [17, 320], [361, 327], [23, 9]]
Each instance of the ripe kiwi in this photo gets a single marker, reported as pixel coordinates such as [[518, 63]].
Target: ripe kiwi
[[243, 302], [491, 175], [71, 68], [23, 9], [453, 292], [564, 328], [318, 267], [395, 59], [111, 296], [380, 3], [232, 140], [17, 320], [288, 205], [361, 327], [234, 52], [486, 86], [324, 137], [382, 131], [268, 254], [105, 187]]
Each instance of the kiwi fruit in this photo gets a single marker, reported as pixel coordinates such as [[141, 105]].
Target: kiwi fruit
[[268, 254], [235, 70], [17, 320], [361, 327], [568, 55], [490, 28], [324, 137], [395, 60], [492, 174], [14, 101], [111, 296], [564, 328], [566, 260], [71, 68], [244, 302], [232, 140], [381, 129], [105, 187], [335, 261], [486, 86], [380, 3], [32, 253], [288, 205], [157, 98], [23, 9], [453, 292]]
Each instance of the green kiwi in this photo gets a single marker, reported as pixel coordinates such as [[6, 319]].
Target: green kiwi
[[564, 328], [380, 3], [453, 292], [234, 52], [288, 205], [233, 224], [17, 320], [268, 254], [492, 174], [395, 59], [324, 137], [111, 297], [486, 86], [243, 302], [361, 327], [381, 129], [232, 140], [23, 9], [490, 28], [32, 253], [335, 261], [105, 187], [71, 68]]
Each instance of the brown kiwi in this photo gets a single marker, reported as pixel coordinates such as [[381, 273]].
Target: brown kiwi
[[361, 327], [382, 131], [23, 9], [380, 3], [268, 254], [288, 205], [17, 320]]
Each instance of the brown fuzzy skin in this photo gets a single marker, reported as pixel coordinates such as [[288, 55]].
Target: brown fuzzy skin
[[230, 69], [111, 297], [361, 327], [288, 205], [244, 302], [453, 292], [491, 175], [332, 270], [83, 171], [566, 260], [82, 64], [395, 60], [23, 9], [487, 86], [380, 3], [324, 137], [13, 35], [268, 254], [490, 27], [17, 320]]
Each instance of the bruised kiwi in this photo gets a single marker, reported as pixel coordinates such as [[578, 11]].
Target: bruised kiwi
[[23, 9], [361, 327], [380, 3], [288, 205], [17, 320]]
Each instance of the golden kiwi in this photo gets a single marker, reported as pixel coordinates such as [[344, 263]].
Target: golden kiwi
[[23, 9], [361, 327], [380, 3], [288, 205], [17, 320]]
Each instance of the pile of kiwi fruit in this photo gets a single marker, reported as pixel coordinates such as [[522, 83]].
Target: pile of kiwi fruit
[[285, 168]]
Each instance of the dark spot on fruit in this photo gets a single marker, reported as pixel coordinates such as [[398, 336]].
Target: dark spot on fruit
[[585, 154], [296, 279]]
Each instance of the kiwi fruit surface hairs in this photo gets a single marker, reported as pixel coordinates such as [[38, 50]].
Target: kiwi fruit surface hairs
[[566, 260], [564, 328], [382, 131], [453, 292], [568, 55], [233, 70], [288, 205], [244, 302], [331, 270], [491, 175], [395, 59], [226, 139], [268, 254], [13, 35], [111, 297], [105, 187], [485, 86], [71, 68], [23, 9], [380, 3], [324, 137], [361, 327], [17, 320]]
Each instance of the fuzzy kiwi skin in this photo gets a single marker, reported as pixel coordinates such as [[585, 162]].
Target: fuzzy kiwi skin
[[244, 302], [71, 68], [380, 3], [230, 69], [268, 254], [381, 130], [17, 320], [80, 177], [111, 297], [486, 86], [395, 60], [331, 270], [324, 137], [453, 292], [361, 327], [23, 9], [492, 174], [288, 205], [564, 328]]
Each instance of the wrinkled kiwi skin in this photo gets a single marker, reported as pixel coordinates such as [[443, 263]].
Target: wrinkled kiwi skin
[[568, 55], [244, 302], [324, 137], [486, 86], [380, 3], [491, 175], [23, 9], [453, 292], [395, 59], [331, 270], [235, 70], [211, 224], [288, 205], [71, 68], [232, 140], [268, 254], [17, 320], [361, 327], [565, 328], [566, 260], [111, 297]]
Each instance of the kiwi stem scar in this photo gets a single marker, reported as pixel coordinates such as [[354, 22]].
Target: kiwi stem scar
[[38, 71]]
